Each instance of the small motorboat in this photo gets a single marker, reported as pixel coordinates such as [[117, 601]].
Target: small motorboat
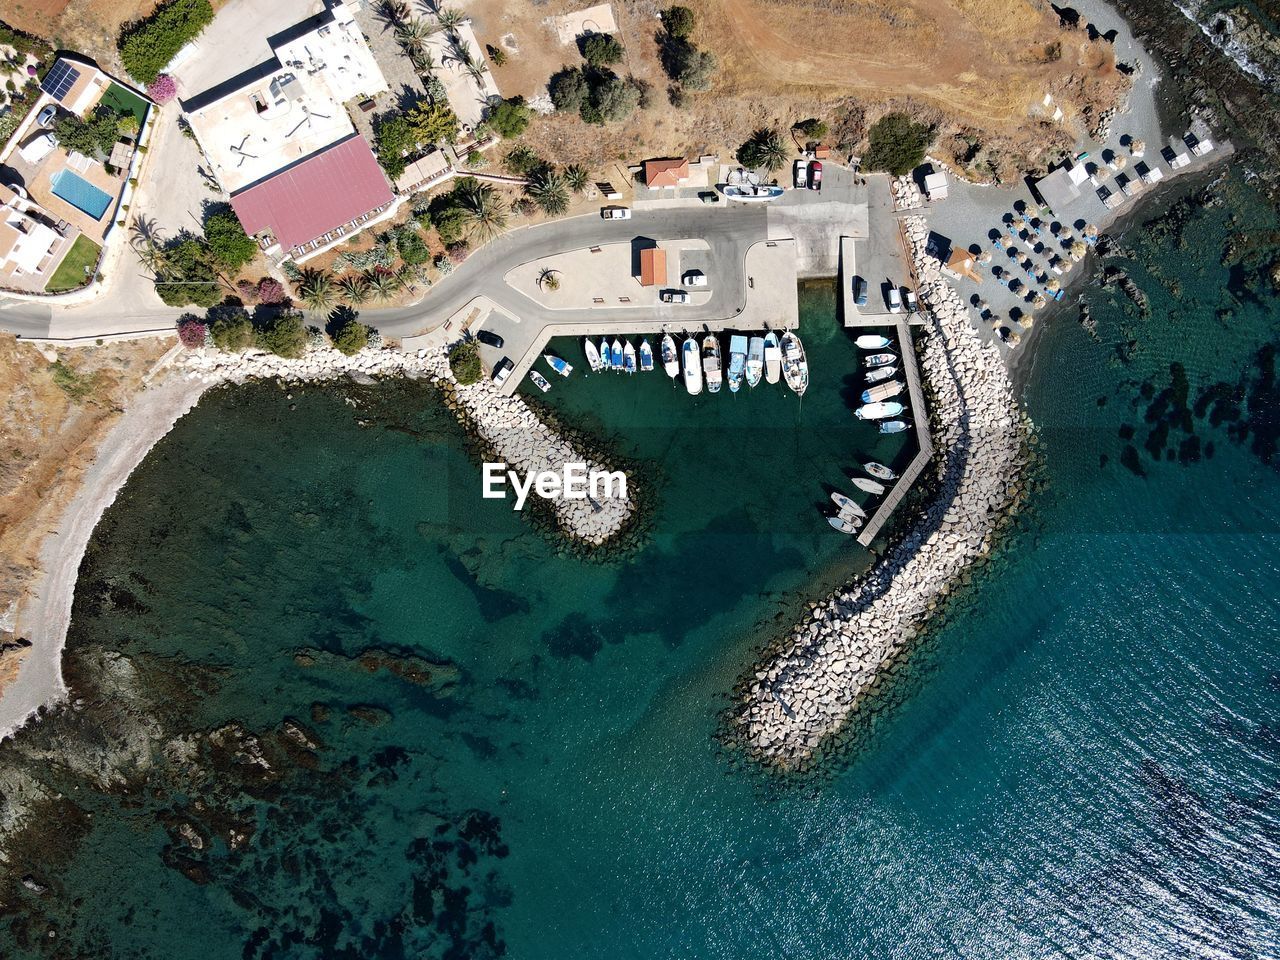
[[880, 373], [872, 341], [893, 426], [794, 365], [856, 519], [867, 486], [845, 504], [646, 356], [615, 354], [558, 364], [606, 357], [539, 381], [711, 363], [737, 361], [878, 360], [593, 356], [882, 391], [843, 525], [752, 192], [629, 358], [692, 369], [755, 361], [772, 358], [670, 357], [879, 471], [879, 411]]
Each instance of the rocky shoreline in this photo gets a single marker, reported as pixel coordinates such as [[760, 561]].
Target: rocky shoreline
[[506, 426], [805, 692]]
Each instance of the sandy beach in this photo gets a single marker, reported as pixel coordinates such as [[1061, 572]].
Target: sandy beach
[[45, 615]]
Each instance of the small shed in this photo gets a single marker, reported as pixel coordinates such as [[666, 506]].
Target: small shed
[[960, 264], [653, 267], [935, 185]]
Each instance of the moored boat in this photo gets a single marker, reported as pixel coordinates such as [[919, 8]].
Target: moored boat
[[857, 519], [646, 356], [878, 360], [795, 368], [755, 361], [670, 357], [737, 361], [606, 356], [558, 364], [880, 373], [692, 368], [893, 426], [879, 471], [843, 525], [711, 363], [882, 391], [879, 411], [772, 358], [539, 381], [629, 358], [867, 486], [845, 504], [752, 192], [615, 354], [593, 356], [872, 341]]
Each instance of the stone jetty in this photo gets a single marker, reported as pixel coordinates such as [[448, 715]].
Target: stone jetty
[[512, 431], [804, 693]]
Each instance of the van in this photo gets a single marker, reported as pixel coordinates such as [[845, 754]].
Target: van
[[38, 148], [895, 300]]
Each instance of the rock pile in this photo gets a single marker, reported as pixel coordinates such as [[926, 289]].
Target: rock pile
[[906, 195], [506, 425], [803, 695]]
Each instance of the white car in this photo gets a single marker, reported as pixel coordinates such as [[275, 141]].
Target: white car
[[501, 371], [47, 115], [615, 213], [895, 300], [801, 174], [675, 296], [695, 278]]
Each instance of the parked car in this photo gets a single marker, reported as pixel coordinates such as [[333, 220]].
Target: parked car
[[695, 278], [895, 300], [859, 291], [801, 174], [615, 213], [47, 115], [38, 148], [913, 305], [502, 371], [815, 175], [490, 338], [675, 296]]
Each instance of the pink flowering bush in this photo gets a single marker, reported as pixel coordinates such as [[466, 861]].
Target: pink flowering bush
[[191, 332], [270, 290], [162, 89], [247, 290]]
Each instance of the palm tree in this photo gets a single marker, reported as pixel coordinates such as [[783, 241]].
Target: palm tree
[[486, 214], [772, 151], [577, 177], [382, 286], [317, 290], [449, 18], [550, 191], [413, 34], [394, 12], [423, 61], [148, 243], [355, 288], [548, 278]]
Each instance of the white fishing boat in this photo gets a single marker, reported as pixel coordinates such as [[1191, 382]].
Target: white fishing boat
[[843, 525], [893, 426], [646, 356], [615, 354], [872, 341], [593, 356], [755, 361], [878, 360], [606, 357], [880, 373], [692, 368], [772, 358], [751, 192], [737, 361], [845, 504], [558, 364], [711, 363], [629, 358], [879, 411], [539, 381], [846, 514], [670, 357], [879, 471], [867, 486], [794, 365], [882, 391]]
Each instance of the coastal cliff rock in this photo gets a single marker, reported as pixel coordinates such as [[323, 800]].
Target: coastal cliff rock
[[803, 696]]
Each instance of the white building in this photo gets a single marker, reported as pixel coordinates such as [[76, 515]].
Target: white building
[[27, 245]]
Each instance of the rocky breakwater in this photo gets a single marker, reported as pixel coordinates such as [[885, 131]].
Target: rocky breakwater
[[507, 427], [801, 698]]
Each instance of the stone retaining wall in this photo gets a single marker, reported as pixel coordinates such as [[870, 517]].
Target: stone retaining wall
[[802, 696]]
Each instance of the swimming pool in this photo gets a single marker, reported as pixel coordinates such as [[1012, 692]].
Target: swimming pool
[[80, 193]]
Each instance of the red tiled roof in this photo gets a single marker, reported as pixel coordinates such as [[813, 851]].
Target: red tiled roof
[[665, 173], [328, 189], [653, 267]]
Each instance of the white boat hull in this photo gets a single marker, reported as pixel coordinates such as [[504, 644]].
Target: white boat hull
[[878, 411], [692, 367], [871, 341], [772, 359]]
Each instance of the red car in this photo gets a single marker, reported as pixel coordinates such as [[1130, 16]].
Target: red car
[[815, 175]]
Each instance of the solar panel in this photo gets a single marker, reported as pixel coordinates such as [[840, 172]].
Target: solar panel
[[58, 82]]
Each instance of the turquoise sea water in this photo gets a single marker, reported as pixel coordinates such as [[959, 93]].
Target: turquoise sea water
[[1087, 763]]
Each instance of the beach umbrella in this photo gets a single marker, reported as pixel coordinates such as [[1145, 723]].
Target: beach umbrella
[[1090, 230], [984, 256], [1078, 250], [1137, 147], [1038, 303], [1027, 323], [1119, 163], [1053, 286]]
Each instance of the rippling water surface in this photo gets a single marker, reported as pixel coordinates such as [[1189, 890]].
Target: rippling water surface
[[1086, 763]]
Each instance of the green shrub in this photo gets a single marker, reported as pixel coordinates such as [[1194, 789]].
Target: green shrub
[[283, 334], [77, 386], [687, 65], [147, 46], [89, 137], [394, 137], [348, 334], [764, 150], [612, 99], [229, 245], [568, 89], [413, 249], [464, 361], [811, 129], [678, 22], [450, 223], [187, 275], [509, 117], [232, 331], [898, 144], [600, 49]]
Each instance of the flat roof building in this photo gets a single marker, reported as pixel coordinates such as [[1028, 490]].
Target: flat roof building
[[75, 85], [27, 244], [1060, 188]]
